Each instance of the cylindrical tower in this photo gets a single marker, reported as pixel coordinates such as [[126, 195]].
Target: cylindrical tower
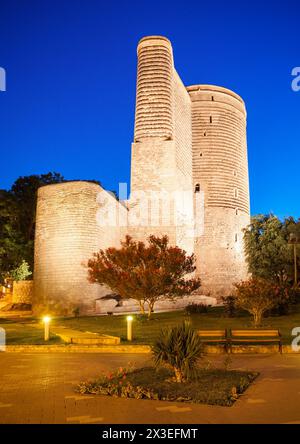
[[153, 152], [154, 108], [220, 171], [67, 235]]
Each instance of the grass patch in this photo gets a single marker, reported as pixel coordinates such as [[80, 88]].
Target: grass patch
[[21, 333], [144, 331], [215, 387]]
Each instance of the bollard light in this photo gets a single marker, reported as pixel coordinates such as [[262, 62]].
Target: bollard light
[[46, 321], [129, 328]]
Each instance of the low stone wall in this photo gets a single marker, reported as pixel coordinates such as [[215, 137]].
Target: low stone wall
[[105, 305], [22, 292]]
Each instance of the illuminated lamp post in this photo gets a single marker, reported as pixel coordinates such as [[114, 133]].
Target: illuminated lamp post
[[129, 328], [295, 241], [46, 321]]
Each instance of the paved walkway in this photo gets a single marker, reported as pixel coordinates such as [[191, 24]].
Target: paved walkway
[[39, 388], [70, 335]]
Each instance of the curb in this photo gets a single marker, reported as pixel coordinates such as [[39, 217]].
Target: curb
[[144, 349], [250, 349], [77, 349]]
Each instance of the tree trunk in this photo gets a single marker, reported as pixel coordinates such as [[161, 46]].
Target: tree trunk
[[142, 307], [178, 375], [257, 318], [150, 309]]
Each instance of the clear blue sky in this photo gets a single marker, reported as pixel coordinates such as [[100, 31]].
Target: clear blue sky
[[71, 71]]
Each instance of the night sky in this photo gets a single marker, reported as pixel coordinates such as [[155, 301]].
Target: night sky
[[71, 73]]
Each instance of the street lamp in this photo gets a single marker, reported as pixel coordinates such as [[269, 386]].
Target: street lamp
[[129, 328], [46, 321], [295, 241]]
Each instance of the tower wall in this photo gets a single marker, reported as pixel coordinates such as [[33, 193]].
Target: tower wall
[[154, 92], [68, 232], [162, 149], [220, 168], [185, 140]]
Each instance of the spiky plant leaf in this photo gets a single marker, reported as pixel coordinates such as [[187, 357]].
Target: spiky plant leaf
[[179, 348]]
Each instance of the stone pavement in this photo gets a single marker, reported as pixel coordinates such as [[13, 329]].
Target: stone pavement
[[70, 335], [39, 388]]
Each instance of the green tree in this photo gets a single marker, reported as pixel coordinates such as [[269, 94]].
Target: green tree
[[145, 272], [268, 252], [21, 273], [11, 240]]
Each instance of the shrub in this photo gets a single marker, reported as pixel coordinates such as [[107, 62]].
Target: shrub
[[21, 273], [178, 348], [286, 297], [116, 384], [229, 303], [281, 309], [257, 296], [196, 308]]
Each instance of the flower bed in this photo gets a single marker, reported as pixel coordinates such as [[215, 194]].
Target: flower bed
[[213, 386]]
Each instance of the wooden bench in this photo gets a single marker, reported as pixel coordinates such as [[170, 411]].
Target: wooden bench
[[255, 336], [214, 337]]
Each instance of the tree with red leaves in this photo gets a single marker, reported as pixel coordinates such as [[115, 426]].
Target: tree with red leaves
[[258, 295], [145, 272]]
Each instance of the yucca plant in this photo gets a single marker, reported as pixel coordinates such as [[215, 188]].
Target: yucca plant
[[178, 348]]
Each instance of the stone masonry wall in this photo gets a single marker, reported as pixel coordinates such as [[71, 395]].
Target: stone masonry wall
[[68, 232], [22, 292], [162, 152], [154, 108], [220, 168]]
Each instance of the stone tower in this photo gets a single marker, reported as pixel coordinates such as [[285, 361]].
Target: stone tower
[[188, 142], [193, 138], [67, 234], [220, 170], [161, 159]]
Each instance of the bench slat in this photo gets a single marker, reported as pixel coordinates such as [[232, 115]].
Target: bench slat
[[212, 333], [255, 333], [249, 340]]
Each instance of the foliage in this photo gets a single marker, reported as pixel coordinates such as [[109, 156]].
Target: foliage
[[117, 384], [11, 240], [20, 273], [217, 386], [144, 272], [178, 348], [17, 220], [287, 297], [257, 295], [268, 252], [229, 304], [196, 308]]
